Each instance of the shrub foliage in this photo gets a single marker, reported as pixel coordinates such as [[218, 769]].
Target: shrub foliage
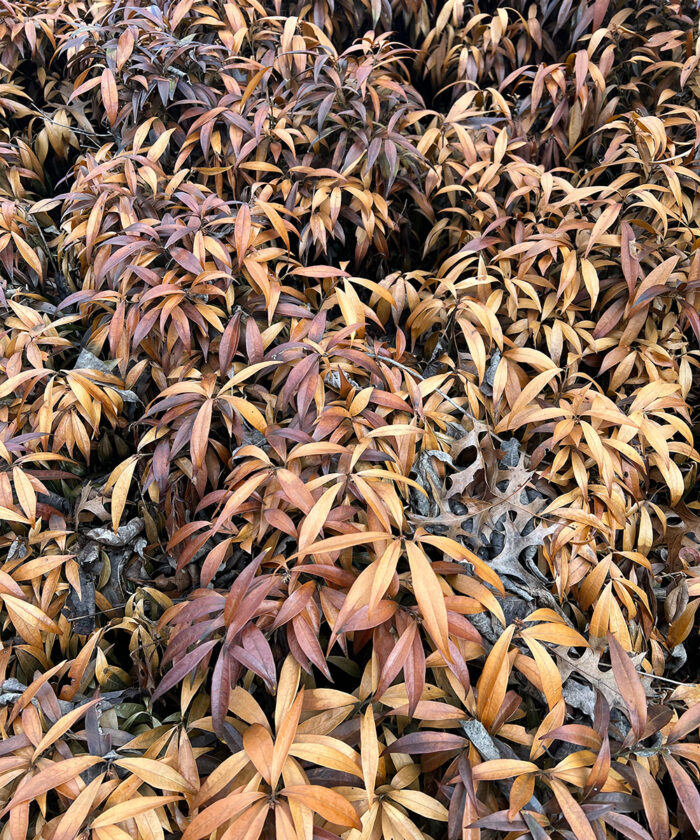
[[348, 373]]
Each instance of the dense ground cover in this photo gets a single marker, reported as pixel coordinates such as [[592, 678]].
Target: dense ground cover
[[348, 394]]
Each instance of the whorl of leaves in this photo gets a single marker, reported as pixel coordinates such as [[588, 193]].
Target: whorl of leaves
[[349, 376]]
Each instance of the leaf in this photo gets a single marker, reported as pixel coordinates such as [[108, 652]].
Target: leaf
[[28, 619], [590, 280], [72, 821], [369, 751], [62, 725], [53, 776], [653, 801], [604, 222], [686, 723], [430, 598], [559, 633], [420, 803], [125, 46], [258, 744], [573, 813], [120, 491], [502, 768], [324, 801], [27, 254], [630, 686], [236, 499], [242, 232], [221, 811], [343, 541], [527, 396], [155, 773], [25, 493], [396, 659], [493, 681], [285, 737], [14, 382], [128, 810], [327, 752], [687, 791], [627, 826], [161, 144], [520, 794], [110, 97], [548, 671], [316, 518], [183, 667], [199, 439], [422, 743]]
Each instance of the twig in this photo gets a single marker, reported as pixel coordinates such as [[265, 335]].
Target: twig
[[74, 128]]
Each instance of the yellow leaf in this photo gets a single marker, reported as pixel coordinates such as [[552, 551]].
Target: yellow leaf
[[160, 145], [549, 673], [316, 517], [502, 768], [110, 96], [324, 801], [25, 493], [431, 601], [54, 775], [420, 803], [285, 737], [28, 619], [124, 473], [27, 254], [369, 751], [132, 808], [493, 681], [73, 818]]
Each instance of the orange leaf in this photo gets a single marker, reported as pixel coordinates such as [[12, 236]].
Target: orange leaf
[[324, 801], [72, 820], [219, 812], [316, 518], [573, 813], [430, 598], [285, 737], [653, 801], [110, 96], [199, 439], [493, 681], [257, 742]]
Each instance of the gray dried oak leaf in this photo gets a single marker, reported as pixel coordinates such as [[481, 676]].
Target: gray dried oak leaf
[[583, 677]]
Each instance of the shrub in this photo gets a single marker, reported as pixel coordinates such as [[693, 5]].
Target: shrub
[[348, 394]]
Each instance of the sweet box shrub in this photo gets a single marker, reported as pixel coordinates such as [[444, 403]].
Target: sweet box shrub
[[348, 442]]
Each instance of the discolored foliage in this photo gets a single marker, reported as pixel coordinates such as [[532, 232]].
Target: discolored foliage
[[349, 358]]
